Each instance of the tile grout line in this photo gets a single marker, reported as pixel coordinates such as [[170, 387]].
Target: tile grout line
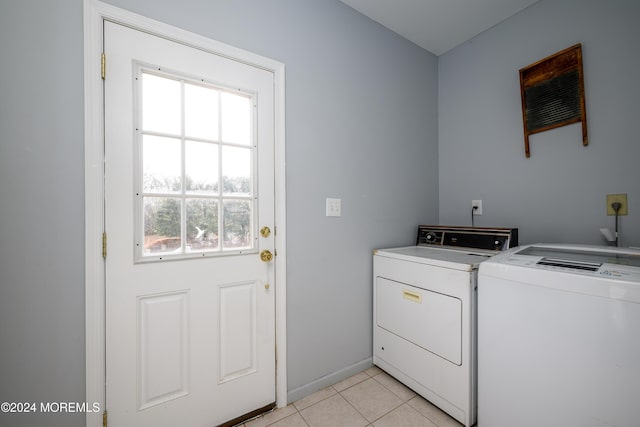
[[299, 412], [402, 402], [369, 423]]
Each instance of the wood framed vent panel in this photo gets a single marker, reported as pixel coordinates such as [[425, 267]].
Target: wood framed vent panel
[[552, 92]]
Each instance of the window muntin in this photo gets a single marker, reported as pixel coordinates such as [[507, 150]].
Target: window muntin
[[196, 173]]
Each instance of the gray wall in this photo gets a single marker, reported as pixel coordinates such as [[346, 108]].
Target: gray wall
[[559, 194], [41, 207], [361, 124]]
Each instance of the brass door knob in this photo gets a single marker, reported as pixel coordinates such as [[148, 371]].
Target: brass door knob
[[265, 231], [266, 255]]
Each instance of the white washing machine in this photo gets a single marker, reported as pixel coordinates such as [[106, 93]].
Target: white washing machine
[[425, 312], [559, 337]]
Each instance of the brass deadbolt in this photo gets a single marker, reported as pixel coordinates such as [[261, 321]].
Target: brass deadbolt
[[265, 231]]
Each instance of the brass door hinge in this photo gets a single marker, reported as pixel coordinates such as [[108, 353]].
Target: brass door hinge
[[104, 244], [104, 419], [103, 65]]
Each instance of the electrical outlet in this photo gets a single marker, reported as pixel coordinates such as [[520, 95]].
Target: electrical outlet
[[478, 205], [620, 198]]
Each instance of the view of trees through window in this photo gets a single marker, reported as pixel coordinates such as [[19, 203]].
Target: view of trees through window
[[163, 222]]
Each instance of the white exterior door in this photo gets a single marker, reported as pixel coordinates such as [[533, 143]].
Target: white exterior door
[[189, 165]]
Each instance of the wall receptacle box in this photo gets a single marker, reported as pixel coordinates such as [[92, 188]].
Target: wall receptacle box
[[477, 204], [620, 198]]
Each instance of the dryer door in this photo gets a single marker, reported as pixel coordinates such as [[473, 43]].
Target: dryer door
[[430, 320]]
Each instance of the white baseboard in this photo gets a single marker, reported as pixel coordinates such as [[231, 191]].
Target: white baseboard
[[330, 379]]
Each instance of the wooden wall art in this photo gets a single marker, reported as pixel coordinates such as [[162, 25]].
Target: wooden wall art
[[552, 91]]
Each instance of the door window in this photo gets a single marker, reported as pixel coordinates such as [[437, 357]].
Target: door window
[[195, 167]]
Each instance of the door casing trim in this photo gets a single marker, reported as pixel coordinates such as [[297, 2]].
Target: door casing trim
[[95, 12]]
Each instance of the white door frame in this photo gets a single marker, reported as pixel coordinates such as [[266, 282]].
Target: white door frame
[[95, 12]]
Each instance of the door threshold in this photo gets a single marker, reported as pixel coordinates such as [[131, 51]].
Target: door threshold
[[250, 415]]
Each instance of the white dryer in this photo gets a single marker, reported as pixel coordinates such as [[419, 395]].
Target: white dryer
[[559, 337], [425, 312]]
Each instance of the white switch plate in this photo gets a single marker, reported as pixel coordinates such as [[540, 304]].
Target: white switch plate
[[478, 204], [333, 207]]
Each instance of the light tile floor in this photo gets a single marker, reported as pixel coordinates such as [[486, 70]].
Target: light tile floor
[[370, 398]]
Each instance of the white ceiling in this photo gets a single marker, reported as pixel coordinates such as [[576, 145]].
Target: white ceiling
[[439, 25]]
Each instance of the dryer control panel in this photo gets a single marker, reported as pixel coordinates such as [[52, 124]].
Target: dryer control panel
[[496, 239]]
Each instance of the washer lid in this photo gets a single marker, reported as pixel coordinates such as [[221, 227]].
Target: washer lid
[[592, 257], [586, 260], [465, 260], [591, 270]]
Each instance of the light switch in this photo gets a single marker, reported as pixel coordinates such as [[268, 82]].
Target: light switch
[[333, 207]]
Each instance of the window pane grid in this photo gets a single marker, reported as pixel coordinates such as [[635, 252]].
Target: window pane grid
[[209, 208]]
